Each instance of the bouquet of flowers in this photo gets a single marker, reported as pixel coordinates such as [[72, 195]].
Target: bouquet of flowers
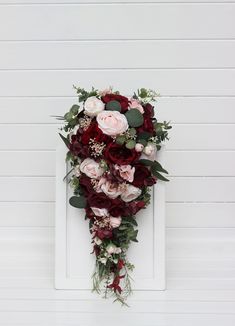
[[112, 142]]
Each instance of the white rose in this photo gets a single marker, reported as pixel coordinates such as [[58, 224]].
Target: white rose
[[149, 152], [110, 189], [93, 106], [115, 222], [91, 168], [130, 193], [112, 249], [100, 211], [139, 147], [112, 123]]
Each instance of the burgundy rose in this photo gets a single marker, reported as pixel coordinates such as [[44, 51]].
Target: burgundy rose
[[102, 234], [99, 200], [96, 250], [85, 184], [119, 154], [136, 206], [94, 132], [148, 110], [142, 176], [124, 102]]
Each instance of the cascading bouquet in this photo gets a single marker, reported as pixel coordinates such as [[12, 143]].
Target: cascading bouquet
[[112, 142]]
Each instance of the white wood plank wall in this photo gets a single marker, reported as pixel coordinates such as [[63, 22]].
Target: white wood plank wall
[[186, 50]]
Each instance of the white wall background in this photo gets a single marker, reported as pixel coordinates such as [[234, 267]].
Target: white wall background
[[184, 49]]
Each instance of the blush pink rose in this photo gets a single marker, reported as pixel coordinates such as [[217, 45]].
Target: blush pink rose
[[110, 189], [91, 168], [115, 221], [130, 193], [112, 123], [93, 106], [100, 211], [135, 104], [126, 172]]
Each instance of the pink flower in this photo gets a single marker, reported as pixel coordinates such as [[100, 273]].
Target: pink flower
[[135, 104], [110, 189], [139, 147], [126, 172], [130, 193], [91, 168], [112, 123], [115, 221], [93, 106], [100, 211]]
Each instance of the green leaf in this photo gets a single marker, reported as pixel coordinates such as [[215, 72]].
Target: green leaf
[[159, 168], [74, 109], [146, 162], [134, 118], [142, 141], [130, 144], [132, 132], [78, 202], [120, 140], [65, 140], [158, 175], [113, 106], [144, 135]]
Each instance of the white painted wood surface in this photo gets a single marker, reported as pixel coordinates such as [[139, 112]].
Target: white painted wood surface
[[184, 49]]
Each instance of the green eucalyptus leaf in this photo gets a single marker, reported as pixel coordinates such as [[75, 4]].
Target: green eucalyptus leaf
[[146, 162], [134, 118], [130, 144], [157, 174], [120, 139], [113, 106], [144, 135], [78, 202], [142, 141], [159, 168], [74, 109]]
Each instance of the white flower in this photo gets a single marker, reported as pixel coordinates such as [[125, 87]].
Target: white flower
[[149, 152], [93, 106], [112, 123], [100, 211], [91, 168], [115, 221], [103, 260], [130, 193], [76, 171], [97, 241], [112, 249], [139, 147]]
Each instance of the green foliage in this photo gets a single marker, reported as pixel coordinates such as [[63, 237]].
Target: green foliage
[[155, 168], [120, 139], [130, 144], [161, 129], [78, 202], [113, 106], [134, 118], [83, 94], [65, 140]]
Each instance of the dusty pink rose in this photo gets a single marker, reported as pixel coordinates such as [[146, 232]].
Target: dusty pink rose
[[100, 211], [115, 221], [112, 123], [139, 147], [110, 189], [126, 172], [130, 193], [135, 104], [93, 106], [91, 168]]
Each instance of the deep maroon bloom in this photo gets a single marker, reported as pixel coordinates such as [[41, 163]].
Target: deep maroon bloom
[[142, 176], [119, 154], [94, 132], [124, 102], [99, 200]]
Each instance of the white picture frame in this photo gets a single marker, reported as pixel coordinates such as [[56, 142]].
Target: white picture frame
[[73, 264]]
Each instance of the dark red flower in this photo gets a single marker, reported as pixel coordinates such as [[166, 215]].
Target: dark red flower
[[118, 208], [94, 132], [104, 234], [85, 184], [119, 154], [96, 250], [99, 200], [124, 102], [136, 206], [120, 264], [115, 285], [148, 110], [142, 176]]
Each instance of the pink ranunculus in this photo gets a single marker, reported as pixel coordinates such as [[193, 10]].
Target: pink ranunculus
[[91, 168], [135, 104], [100, 211], [115, 221], [126, 171], [110, 189], [112, 123], [130, 193]]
